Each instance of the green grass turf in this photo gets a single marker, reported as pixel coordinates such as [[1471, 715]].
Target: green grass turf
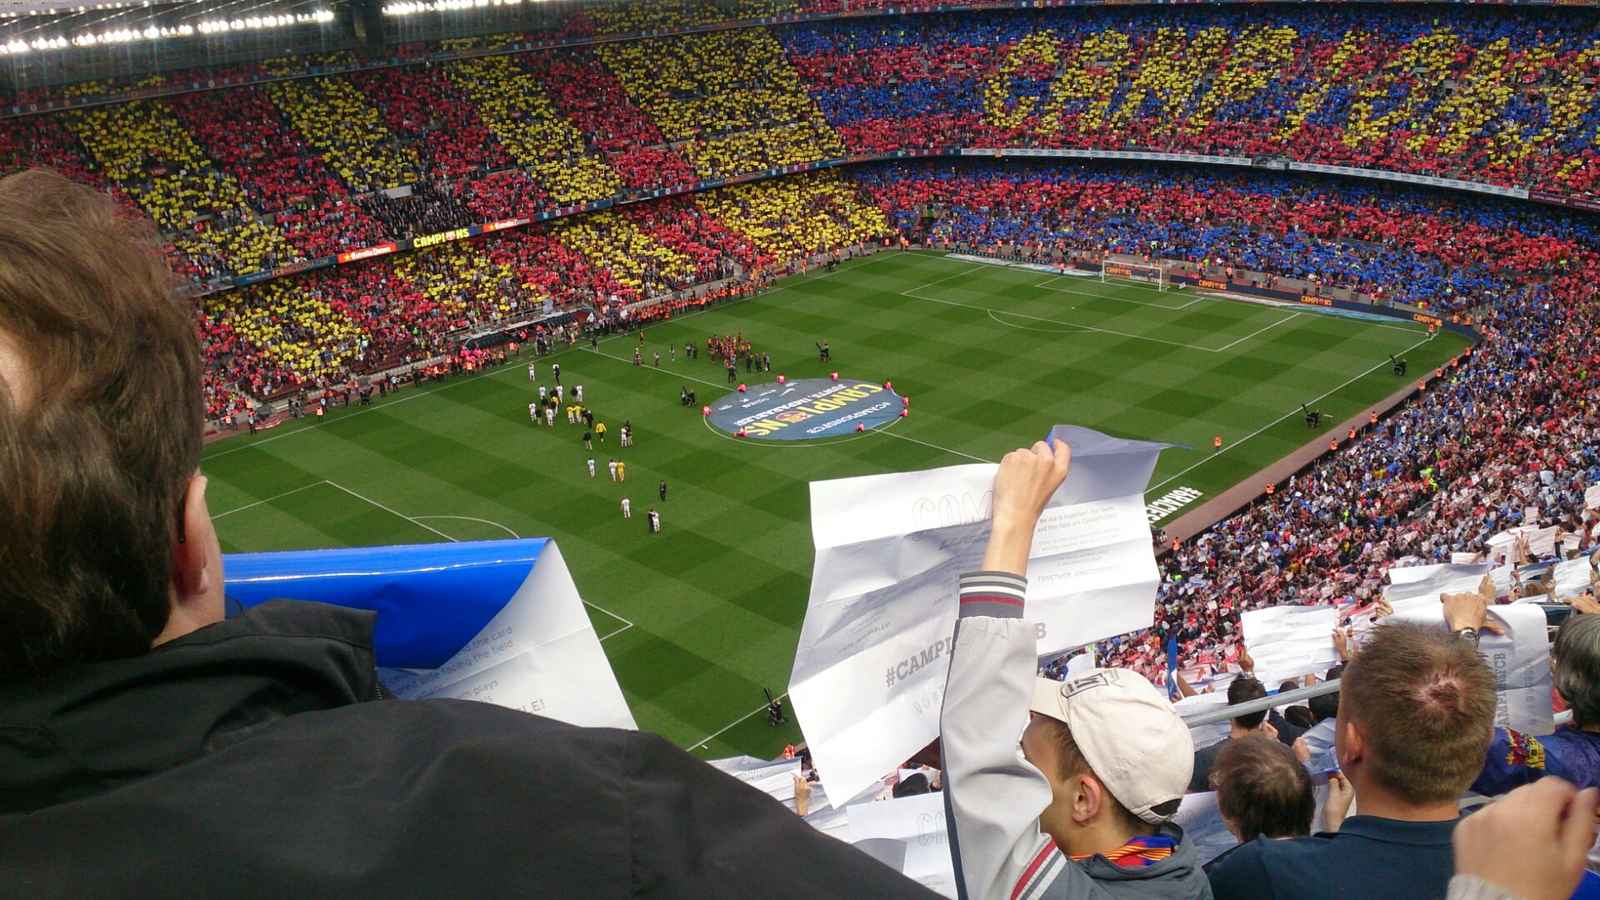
[[992, 357]]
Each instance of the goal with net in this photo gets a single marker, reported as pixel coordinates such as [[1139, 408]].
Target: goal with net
[[1153, 275]]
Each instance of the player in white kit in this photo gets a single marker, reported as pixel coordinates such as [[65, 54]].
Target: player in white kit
[[591, 467], [577, 392], [550, 416], [533, 372], [612, 465], [533, 412], [541, 393], [627, 508]]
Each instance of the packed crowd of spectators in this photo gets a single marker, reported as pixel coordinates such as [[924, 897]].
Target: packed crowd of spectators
[[594, 100], [730, 95], [345, 126], [253, 177], [1504, 96], [792, 218], [321, 327], [1512, 427], [1391, 245], [423, 107], [515, 105]]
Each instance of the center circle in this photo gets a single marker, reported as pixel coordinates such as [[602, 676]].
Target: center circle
[[805, 409]]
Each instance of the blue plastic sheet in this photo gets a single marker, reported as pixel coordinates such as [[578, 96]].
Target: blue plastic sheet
[[431, 599]]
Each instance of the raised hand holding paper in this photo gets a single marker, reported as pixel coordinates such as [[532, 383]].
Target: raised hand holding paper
[[1290, 641], [1519, 656], [869, 672]]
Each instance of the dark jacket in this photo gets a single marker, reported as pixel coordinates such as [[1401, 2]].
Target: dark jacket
[[254, 758], [1367, 857]]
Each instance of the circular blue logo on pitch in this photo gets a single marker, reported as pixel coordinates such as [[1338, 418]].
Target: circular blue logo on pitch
[[806, 409]]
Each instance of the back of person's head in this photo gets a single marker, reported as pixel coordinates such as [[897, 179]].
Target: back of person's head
[[1327, 705], [1575, 659], [1422, 703], [1262, 790], [100, 427], [1242, 690], [1111, 732]]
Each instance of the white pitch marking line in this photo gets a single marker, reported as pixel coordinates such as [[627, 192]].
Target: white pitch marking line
[[1072, 329], [861, 262], [304, 487], [985, 309], [1047, 286], [975, 267], [719, 732], [474, 519], [419, 524], [609, 613], [607, 636], [412, 519], [1252, 334], [1156, 487], [675, 372], [913, 440], [610, 634]]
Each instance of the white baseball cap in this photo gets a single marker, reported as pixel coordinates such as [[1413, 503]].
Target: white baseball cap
[[1132, 738]]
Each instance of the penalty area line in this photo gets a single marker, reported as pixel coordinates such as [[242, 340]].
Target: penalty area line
[[906, 437], [1216, 453], [701, 744], [415, 521]]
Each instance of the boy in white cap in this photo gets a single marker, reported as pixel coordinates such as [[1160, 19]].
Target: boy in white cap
[[1082, 807]]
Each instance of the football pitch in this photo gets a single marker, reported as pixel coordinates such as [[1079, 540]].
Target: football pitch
[[698, 619]]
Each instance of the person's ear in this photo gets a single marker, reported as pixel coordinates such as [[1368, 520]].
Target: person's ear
[[1350, 748], [1088, 798], [195, 591], [189, 575]]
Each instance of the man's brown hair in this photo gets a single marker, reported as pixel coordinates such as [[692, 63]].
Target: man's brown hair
[[98, 435], [1263, 789], [1425, 701]]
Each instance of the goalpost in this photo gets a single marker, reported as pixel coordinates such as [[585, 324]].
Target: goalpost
[[1155, 275]]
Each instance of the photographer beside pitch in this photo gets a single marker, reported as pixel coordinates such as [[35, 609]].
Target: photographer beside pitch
[[1081, 809], [150, 747]]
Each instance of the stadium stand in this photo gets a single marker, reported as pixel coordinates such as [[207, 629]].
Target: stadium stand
[[1489, 95], [424, 108], [338, 120], [513, 103], [1371, 239], [731, 96], [641, 265], [589, 95], [792, 218]]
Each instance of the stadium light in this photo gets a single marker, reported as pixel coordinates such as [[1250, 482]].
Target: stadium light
[[87, 39], [413, 7]]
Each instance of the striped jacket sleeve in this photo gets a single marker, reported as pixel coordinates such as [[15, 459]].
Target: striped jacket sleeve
[[993, 796]]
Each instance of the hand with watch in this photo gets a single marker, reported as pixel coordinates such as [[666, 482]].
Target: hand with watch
[[1467, 614]]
